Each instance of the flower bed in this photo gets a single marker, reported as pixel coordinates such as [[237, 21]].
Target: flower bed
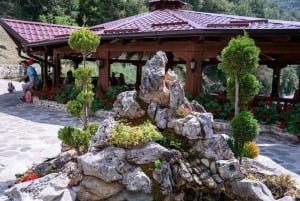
[[53, 105], [223, 126]]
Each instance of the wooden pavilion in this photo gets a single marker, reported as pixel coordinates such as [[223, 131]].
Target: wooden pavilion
[[188, 37]]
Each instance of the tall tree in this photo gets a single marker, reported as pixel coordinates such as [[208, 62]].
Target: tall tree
[[84, 41], [239, 57], [60, 12], [288, 81]]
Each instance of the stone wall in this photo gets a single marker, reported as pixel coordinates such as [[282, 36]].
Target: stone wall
[[8, 71]]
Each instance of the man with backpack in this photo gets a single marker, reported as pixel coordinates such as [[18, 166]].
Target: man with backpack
[[33, 83]]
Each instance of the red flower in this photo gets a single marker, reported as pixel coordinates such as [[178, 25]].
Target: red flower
[[107, 103], [229, 113], [253, 111], [249, 104], [39, 94], [112, 99], [100, 95], [65, 100], [29, 177], [51, 97], [268, 103], [283, 125], [283, 115], [46, 90], [288, 107], [217, 110], [53, 88], [266, 116]]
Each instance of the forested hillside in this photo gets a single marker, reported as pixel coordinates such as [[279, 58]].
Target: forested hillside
[[99, 11], [287, 4], [290, 6]]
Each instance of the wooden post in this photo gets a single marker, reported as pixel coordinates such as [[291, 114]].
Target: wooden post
[[276, 80], [104, 71], [193, 81]]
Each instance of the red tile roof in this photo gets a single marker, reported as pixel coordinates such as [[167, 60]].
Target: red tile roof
[[172, 20], [35, 31], [150, 24]]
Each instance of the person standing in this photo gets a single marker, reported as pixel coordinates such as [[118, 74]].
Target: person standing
[[33, 83], [69, 79], [113, 80]]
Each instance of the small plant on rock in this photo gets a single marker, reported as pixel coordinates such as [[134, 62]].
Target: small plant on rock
[[127, 135], [157, 164], [175, 144], [281, 185], [182, 112], [297, 195], [251, 149], [77, 138]]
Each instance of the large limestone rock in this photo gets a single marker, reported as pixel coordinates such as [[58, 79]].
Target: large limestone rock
[[148, 153], [215, 148], [126, 106], [108, 164], [194, 127], [137, 180], [251, 191], [94, 189], [160, 86], [101, 137], [52, 187]]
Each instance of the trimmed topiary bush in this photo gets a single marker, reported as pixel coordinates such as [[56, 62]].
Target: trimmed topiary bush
[[244, 129], [249, 87]]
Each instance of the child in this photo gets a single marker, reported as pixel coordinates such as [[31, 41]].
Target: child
[[11, 87], [28, 96]]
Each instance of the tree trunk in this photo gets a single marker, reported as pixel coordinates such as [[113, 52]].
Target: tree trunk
[[236, 97]]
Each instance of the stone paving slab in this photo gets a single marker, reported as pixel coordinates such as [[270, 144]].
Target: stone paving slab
[[28, 134]]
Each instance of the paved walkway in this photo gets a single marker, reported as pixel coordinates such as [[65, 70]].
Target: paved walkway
[[28, 136]]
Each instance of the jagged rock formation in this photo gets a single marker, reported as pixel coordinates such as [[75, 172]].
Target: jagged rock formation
[[111, 173]]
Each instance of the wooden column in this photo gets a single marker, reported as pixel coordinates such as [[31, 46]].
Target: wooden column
[[104, 71], [193, 81], [57, 69], [138, 78], [276, 79], [45, 70]]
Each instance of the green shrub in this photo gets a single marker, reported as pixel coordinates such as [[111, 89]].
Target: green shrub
[[65, 135], [93, 128], [251, 150], [157, 164], [175, 144], [249, 87], [77, 138], [244, 128], [128, 135]]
